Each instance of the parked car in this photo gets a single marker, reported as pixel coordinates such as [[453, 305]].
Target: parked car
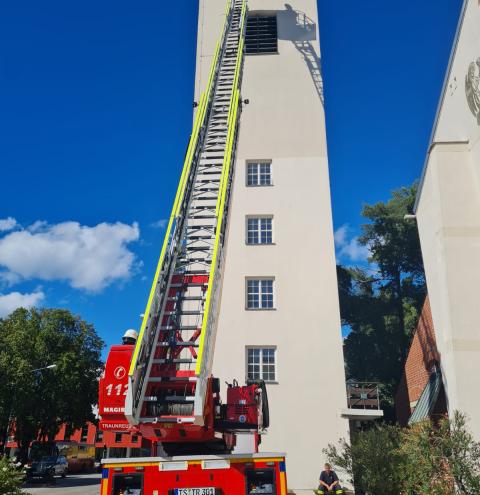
[[48, 467]]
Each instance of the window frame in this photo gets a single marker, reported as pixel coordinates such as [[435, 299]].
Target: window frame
[[259, 163], [259, 230], [262, 348], [260, 293]]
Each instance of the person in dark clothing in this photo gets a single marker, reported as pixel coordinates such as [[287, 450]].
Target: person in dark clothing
[[329, 482]]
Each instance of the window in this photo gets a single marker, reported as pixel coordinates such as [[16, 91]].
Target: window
[[68, 432], [118, 437], [99, 435], [261, 34], [261, 363], [128, 483], [259, 230], [260, 293], [84, 435], [259, 174]]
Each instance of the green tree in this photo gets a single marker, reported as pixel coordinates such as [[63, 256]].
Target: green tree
[[381, 303], [428, 458], [372, 460], [395, 248], [42, 401], [10, 480], [441, 458]]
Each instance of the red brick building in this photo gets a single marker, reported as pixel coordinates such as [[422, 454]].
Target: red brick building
[[421, 382], [118, 443]]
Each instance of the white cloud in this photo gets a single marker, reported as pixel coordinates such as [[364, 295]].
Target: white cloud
[[160, 224], [349, 249], [87, 258], [10, 302], [340, 235], [7, 224]]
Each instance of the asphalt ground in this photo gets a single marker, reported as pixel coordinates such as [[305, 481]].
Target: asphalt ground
[[73, 484]]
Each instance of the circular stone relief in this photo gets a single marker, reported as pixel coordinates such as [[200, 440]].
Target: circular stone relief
[[472, 88]]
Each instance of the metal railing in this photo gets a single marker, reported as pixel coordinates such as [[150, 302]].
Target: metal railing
[[363, 395]]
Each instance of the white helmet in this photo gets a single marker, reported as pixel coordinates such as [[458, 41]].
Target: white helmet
[[130, 334]]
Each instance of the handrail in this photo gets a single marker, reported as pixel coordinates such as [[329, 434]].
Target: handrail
[[363, 395]]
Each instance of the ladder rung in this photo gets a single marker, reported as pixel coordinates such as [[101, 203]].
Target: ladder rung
[[196, 272], [191, 284], [168, 419], [201, 208], [202, 197], [186, 298], [189, 261], [178, 343], [203, 217], [180, 327], [198, 248], [179, 399], [158, 379], [183, 313], [174, 361]]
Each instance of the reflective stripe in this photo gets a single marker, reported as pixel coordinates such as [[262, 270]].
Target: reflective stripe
[[283, 483], [104, 487]]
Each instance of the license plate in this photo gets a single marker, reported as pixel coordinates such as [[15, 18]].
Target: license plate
[[195, 491]]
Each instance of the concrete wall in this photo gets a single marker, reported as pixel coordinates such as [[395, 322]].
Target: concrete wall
[[284, 123], [448, 214]]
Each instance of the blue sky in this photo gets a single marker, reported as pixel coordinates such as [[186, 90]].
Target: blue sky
[[96, 102]]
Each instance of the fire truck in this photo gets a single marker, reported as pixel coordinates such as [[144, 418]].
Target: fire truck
[[162, 386]]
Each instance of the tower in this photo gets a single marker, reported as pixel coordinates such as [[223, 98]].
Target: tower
[[279, 314], [448, 217]]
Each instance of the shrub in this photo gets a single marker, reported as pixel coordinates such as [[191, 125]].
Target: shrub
[[10, 479], [428, 458]]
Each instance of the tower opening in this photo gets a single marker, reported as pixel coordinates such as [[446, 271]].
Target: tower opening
[[261, 35]]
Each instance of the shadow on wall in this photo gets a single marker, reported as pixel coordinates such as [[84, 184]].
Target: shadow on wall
[[297, 27]]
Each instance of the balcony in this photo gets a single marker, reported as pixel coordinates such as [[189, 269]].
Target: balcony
[[363, 401]]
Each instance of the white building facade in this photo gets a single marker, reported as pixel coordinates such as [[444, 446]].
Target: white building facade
[[279, 317], [448, 216]]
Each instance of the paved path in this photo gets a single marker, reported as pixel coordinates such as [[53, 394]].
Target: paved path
[[74, 484]]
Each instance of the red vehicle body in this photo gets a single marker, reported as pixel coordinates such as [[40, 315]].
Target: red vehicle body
[[196, 475], [246, 408], [112, 389]]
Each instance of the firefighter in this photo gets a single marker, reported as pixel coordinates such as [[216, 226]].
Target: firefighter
[[129, 337], [329, 482]]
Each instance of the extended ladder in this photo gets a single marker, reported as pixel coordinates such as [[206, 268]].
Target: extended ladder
[[173, 356]]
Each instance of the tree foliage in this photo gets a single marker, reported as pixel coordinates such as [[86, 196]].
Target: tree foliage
[[42, 401], [372, 459], [441, 458], [381, 303], [428, 458], [10, 479]]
